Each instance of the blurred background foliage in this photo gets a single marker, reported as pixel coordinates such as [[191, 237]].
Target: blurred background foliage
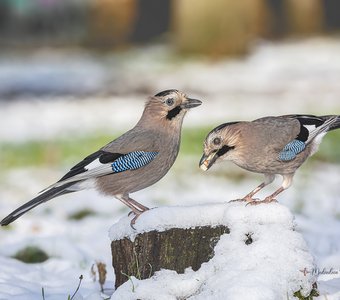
[[103, 33], [220, 27]]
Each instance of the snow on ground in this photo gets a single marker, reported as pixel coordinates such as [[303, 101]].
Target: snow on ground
[[78, 244], [288, 77], [271, 267], [59, 278]]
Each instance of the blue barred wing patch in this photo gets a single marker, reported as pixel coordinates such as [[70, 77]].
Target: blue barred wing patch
[[132, 161], [292, 149]]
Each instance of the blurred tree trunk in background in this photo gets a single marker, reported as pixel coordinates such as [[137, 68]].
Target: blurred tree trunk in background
[[118, 22], [278, 22], [152, 20], [291, 17], [305, 17], [111, 22], [218, 27], [332, 14]]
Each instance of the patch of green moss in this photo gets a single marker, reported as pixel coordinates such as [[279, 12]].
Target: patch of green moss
[[81, 214], [314, 293], [7, 227], [31, 255]]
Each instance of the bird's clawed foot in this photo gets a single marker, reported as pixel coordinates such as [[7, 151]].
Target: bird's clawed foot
[[137, 213], [254, 201], [236, 200], [136, 208], [245, 199], [133, 221], [266, 200]]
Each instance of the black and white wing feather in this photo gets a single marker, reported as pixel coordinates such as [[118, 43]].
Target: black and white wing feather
[[98, 164], [103, 163], [312, 130]]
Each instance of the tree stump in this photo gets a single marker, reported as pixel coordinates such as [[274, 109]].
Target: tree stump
[[175, 249], [246, 250]]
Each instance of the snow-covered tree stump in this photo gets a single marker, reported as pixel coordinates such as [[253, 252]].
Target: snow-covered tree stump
[[174, 249], [218, 251]]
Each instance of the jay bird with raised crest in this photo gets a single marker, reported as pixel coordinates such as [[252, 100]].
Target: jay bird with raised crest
[[132, 162], [270, 146]]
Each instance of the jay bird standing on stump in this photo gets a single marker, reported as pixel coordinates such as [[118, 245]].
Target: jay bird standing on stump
[[270, 145], [132, 162]]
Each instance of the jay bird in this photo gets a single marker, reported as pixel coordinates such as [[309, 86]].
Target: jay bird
[[133, 161], [269, 145]]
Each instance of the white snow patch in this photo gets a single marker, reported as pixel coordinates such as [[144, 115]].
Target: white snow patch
[[271, 267], [19, 281], [329, 290]]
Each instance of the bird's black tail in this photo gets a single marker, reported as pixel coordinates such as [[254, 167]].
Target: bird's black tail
[[336, 124], [45, 196]]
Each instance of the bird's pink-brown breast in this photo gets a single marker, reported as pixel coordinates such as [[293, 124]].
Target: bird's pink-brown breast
[[130, 181]]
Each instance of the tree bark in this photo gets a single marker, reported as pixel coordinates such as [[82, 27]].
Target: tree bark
[[175, 249]]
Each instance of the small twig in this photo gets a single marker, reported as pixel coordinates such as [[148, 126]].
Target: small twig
[[101, 274], [80, 279], [43, 293], [128, 276], [93, 273], [150, 265], [100, 268], [138, 275]]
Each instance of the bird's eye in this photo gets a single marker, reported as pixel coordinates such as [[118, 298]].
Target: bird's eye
[[217, 141], [169, 101]]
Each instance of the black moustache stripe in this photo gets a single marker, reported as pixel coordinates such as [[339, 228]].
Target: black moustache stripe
[[173, 113], [224, 150]]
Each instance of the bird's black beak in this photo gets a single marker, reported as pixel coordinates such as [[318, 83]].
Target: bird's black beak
[[190, 103], [208, 160]]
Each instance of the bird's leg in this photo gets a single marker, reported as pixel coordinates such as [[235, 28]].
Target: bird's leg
[[125, 200], [271, 198], [268, 178], [142, 209], [287, 181], [249, 197], [268, 199], [136, 207]]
